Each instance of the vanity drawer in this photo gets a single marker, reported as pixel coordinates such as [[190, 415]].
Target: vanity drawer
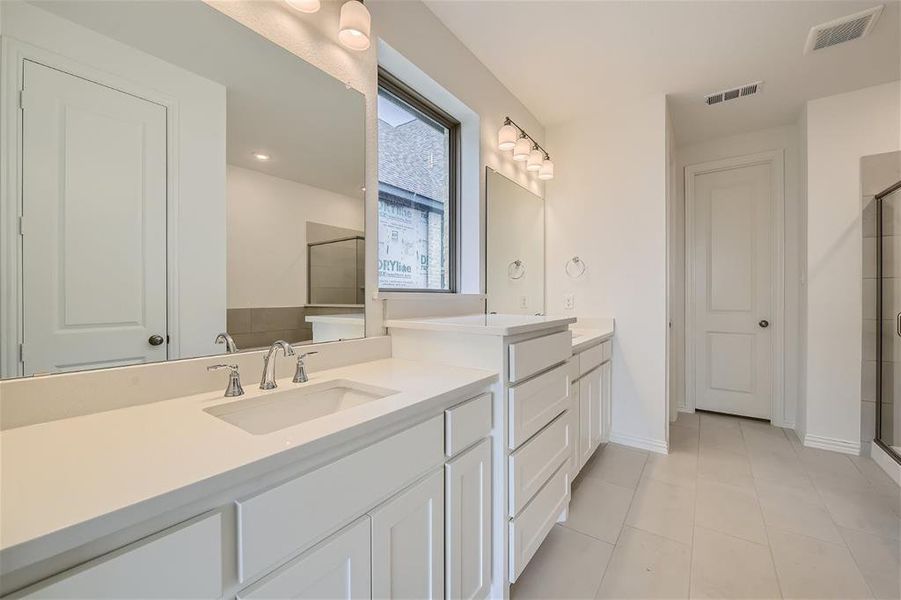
[[467, 423], [590, 358], [529, 529], [278, 523], [533, 464], [531, 356], [535, 403], [184, 561]]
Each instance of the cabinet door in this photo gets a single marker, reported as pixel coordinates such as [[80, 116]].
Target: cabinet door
[[587, 418], [606, 400], [336, 569], [575, 427], [468, 526], [594, 382], [408, 542]]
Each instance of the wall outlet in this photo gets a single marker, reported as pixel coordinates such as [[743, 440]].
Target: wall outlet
[[569, 301], [523, 302]]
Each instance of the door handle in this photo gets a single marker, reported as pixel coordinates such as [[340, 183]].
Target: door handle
[[764, 323], [155, 340], [898, 324]]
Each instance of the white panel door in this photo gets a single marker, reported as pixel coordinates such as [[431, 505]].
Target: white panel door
[[732, 292], [587, 421], [94, 224], [468, 525], [335, 569], [408, 543]]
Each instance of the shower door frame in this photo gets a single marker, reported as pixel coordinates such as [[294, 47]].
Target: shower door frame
[[880, 330]]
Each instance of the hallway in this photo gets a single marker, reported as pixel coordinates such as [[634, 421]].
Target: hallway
[[738, 509]]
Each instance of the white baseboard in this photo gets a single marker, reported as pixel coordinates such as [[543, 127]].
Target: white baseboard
[[886, 462], [658, 446], [834, 444]]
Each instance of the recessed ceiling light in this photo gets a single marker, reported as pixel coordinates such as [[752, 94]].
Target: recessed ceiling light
[[261, 156]]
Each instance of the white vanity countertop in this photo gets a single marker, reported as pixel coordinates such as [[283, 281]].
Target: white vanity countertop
[[343, 319], [499, 325], [66, 482], [585, 337]]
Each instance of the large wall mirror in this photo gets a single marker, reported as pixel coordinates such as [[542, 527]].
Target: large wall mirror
[[171, 176], [515, 252]]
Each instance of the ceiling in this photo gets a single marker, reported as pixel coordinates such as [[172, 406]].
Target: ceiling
[[566, 59], [310, 124]]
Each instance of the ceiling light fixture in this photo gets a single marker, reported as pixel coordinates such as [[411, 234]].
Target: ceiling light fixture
[[354, 25], [261, 156], [304, 6], [525, 148]]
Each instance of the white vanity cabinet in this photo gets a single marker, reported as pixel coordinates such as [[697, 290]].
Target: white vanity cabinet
[[591, 391], [534, 433]]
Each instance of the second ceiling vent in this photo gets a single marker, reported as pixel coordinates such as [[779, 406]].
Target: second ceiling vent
[[749, 89], [842, 30]]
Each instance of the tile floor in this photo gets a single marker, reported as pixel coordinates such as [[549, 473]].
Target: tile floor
[[738, 509]]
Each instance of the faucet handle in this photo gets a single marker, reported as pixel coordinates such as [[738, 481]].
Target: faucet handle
[[300, 374], [234, 380]]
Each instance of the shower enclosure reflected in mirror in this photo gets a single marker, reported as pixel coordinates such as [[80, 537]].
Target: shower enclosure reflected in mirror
[[515, 247], [881, 183], [170, 189]]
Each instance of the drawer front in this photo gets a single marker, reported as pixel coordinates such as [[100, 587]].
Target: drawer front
[[607, 347], [286, 519], [590, 358], [467, 423], [339, 567], [184, 561], [533, 464], [529, 529], [535, 403], [531, 356]]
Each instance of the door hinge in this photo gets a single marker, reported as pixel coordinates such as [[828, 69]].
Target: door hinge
[[21, 99]]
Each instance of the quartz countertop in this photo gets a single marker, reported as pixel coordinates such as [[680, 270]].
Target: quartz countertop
[[481, 324], [590, 332], [64, 483], [342, 319]]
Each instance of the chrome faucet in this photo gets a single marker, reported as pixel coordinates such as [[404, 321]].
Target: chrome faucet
[[300, 375], [268, 380], [224, 338], [234, 380]]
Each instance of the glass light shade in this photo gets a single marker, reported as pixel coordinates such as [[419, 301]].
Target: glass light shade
[[353, 31], [547, 170], [304, 6], [536, 157], [506, 137], [521, 149]]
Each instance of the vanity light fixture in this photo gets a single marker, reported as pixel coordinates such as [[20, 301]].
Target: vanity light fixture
[[525, 149], [304, 6], [261, 156], [354, 25], [506, 136]]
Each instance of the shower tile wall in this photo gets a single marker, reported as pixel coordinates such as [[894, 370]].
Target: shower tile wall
[[877, 173]]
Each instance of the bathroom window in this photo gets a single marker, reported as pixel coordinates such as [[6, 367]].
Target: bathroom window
[[418, 157]]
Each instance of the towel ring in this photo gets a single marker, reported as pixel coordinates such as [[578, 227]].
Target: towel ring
[[575, 267], [516, 269]]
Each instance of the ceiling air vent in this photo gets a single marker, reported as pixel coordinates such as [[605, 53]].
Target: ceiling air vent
[[749, 89], [842, 30]]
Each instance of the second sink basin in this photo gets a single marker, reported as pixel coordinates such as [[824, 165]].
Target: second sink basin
[[287, 407]]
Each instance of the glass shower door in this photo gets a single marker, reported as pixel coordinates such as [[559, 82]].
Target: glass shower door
[[888, 306]]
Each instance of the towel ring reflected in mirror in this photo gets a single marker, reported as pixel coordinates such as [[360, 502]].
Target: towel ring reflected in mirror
[[575, 267], [516, 269]]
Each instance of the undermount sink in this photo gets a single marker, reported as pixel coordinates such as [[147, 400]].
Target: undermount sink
[[284, 408]]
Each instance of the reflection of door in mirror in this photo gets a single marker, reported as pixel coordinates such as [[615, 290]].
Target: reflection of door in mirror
[[92, 156], [515, 248], [175, 165]]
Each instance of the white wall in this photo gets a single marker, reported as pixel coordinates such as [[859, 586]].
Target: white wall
[[840, 130], [267, 235], [196, 179], [781, 138], [607, 205]]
